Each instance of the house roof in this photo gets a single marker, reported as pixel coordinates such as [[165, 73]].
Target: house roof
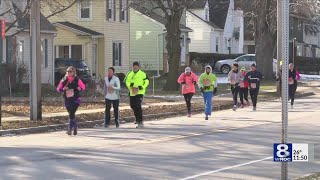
[[157, 17], [198, 4], [218, 10], [82, 30], [24, 22], [208, 22]]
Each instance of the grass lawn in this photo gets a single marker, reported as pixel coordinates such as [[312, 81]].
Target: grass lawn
[[315, 176]]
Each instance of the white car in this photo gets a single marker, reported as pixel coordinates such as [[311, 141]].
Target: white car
[[246, 60]]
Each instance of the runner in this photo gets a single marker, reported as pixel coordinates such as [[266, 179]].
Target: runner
[[188, 80], [243, 88], [254, 77], [234, 78], [112, 96], [71, 86], [137, 82], [293, 84], [208, 87]]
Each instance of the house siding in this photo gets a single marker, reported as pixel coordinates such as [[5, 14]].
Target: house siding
[[200, 37], [145, 46]]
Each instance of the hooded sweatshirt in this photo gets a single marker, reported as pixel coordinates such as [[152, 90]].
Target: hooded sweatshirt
[[234, 77], [208, 81], [188, 82]]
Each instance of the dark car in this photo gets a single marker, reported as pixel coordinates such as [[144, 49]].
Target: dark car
[[61, 65]]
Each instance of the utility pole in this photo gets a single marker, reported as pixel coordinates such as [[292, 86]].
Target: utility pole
[[285, 74], [35, 80]]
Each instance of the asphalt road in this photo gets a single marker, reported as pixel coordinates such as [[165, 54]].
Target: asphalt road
[[231, 145]]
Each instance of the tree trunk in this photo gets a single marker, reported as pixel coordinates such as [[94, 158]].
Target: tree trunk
[[174, 49], [265, 40]]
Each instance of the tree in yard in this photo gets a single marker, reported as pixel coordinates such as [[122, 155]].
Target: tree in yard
[[172, 10], [263, 20]]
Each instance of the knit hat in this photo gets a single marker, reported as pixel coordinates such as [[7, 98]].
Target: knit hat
[[136, 63], [243, 69], [187, 70]]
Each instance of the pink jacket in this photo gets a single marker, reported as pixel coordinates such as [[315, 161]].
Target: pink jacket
[[189, 82], [298, 77]]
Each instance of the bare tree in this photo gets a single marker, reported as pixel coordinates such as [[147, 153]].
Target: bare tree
[[56, 7], [263, 20], [172, 10]]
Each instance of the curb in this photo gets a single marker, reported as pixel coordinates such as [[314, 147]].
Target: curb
[[91, 124]]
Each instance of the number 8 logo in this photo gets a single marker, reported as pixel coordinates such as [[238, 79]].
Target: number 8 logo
[[282, 151]]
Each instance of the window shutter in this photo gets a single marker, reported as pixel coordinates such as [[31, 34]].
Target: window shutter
[[120, 10], [46, 53], [120, 55], [127, 11], [114, 54], [107, 10], [114, 10]]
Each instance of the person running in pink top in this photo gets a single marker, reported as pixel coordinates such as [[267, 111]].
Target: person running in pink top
[[71, 86], [188, 80]]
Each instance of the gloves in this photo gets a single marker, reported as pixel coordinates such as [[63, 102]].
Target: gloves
[[140, 87], [194, 82], [183, 82], [215, 91], [206, 87], [202, 90], [131, 85]]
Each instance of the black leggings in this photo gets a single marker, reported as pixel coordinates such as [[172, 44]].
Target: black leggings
[[254, 96], [243, 93], [72, 109], [292, 91], [115, 104], [187, 98], [136, 106], [235, 91]]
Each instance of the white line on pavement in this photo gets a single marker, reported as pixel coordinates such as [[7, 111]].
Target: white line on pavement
[[225, 168]]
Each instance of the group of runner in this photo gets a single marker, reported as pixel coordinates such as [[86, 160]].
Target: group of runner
[[241, 82]]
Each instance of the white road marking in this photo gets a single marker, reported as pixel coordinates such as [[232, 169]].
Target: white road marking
[[225, 168]]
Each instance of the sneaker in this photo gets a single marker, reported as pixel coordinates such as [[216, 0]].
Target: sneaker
[[234, 108], [206, 118], [189, 115], [75, 131], [242, 106], [117, 126], [254, 109], [135, 122], [69, 132], [140, 125]]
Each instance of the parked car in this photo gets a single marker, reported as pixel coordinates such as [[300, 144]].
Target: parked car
[[246, 60], [61, 65]]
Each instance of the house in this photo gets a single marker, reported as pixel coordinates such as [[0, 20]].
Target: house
[[16, 45], [147, 43], [96, 31], [218, 27]]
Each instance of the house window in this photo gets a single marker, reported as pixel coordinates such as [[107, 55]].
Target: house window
[[44, 52], [299, 25], [217, 44], [124, 11], [299, 50], [70, 51], [291, 23], [226, 44], [85, 9], [111, 10], [20, 51], [207, 15], [317, 52], [117, 53]]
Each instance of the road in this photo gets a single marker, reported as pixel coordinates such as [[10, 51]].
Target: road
[[231, 145]]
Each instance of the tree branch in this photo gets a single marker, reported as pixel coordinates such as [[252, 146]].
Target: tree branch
[[63, 9]]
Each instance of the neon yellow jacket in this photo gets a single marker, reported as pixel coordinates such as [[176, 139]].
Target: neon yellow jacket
[[136, 80]]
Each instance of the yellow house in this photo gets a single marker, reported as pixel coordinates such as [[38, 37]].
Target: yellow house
[[96, 31]]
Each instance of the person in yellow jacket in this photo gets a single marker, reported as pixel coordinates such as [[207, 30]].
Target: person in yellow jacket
[[137, 82]]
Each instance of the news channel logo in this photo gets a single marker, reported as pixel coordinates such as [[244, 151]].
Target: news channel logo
[[293, 152]]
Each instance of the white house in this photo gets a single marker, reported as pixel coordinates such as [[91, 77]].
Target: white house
[[218, 28], [16, 45]]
